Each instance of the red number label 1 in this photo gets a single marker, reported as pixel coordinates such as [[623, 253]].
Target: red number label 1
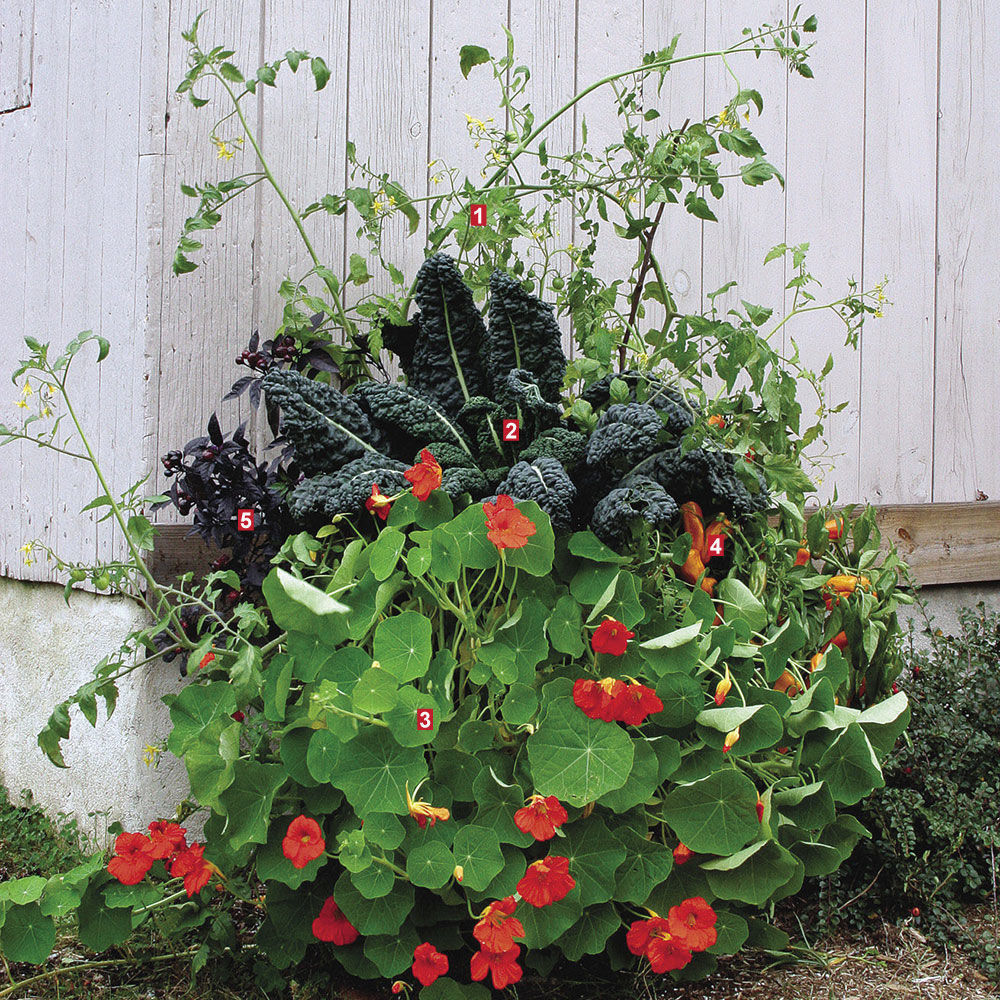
[[477, 215], [425, 719], [245, 519], [511, 430], [716, 545]]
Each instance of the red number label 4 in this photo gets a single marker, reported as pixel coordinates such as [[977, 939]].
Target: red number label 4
[[425, 719], [477, 215], [245, 519], [511, 430], [716, 545]]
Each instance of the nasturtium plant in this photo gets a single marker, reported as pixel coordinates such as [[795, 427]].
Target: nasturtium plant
[[483, 704]]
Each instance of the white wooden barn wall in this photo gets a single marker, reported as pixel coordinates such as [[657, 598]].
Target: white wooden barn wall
[[887, 155]]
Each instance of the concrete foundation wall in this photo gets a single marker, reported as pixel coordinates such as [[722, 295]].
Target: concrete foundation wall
[[47, 650]]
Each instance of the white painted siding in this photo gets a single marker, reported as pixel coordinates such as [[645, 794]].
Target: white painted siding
[[887, 158]]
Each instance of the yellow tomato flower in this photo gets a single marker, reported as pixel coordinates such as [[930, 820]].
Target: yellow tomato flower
[[27, 549], [150, 754], [22, 403], [26, 389]]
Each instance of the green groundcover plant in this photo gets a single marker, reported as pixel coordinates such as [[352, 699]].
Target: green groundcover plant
[[503, 700]]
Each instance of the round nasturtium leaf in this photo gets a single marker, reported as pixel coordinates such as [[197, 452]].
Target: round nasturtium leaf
[[760, 727], [751, 875], [716, 815], [374, 881], [850, 767], [565, 626], [642, 780], [537, 554], [384, 915], [323, 754], [589, 935], [576, 758], [403, 645], [430, 865], [384, 830], [469, 533], [683, 698], [375, 692], [28, 935], [392, 954], [477, 850], [379, 771], [384, 552], [594, 856], [647, 864]]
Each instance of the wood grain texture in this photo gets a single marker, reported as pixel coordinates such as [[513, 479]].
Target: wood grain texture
[[16, 36], [199, 322], [679, 240], [897, 353], [967, 345], [823, 207]]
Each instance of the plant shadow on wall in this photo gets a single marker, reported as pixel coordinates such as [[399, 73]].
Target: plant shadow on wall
[[479, 704]]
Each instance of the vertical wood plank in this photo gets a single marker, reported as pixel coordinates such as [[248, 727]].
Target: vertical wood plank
[[545, 40], [304, 133], [388, 119], [679, 240], [203, 319], [897, 354], [823, 199], [16, 34], [967, 351], [751, 219]]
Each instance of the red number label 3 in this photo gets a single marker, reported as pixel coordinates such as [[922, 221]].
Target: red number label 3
[[425, 719]]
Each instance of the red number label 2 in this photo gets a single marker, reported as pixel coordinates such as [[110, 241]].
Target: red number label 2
[[425, 719], [245, 519], [477, 215], [716, 545], [511, 430]]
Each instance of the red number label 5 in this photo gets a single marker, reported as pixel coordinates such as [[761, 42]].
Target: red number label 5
[[245, 519]]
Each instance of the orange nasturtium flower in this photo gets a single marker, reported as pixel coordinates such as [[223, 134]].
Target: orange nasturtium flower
[[693, 924], [165, 839], [497, 926], [332, 926], [541, 816], [682, 854], [612, 637], [788, 684], [194, 868], [596, 699], [635, 703], [717, 420], [206, 660], [303, 842], [378, 502], [732, 738], [507, 527], [428, 963], [502, 966], [132, 858], [546, 881], [424, 811], [723, 688], [425, 475]]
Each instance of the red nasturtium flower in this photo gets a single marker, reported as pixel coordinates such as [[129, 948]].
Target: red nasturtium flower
[[303, 842], [541, 816], [653, 939], [425, 475], [378, 502], [423, 811], [165, 840], [546, 882], [596, 699], [503, 966], [611, 637], [428, 963], [132, 858], [497, 926], [723, 688], [192, 866], [635, 703], [332, 926], [507, 527], [682, 854], [692, 923]]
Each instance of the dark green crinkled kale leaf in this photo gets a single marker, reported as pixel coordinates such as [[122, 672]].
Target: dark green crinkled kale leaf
[[547, 483], [346, 490], [643, 498], [447, 362], [326, 427], [624, 436], [523, 333]]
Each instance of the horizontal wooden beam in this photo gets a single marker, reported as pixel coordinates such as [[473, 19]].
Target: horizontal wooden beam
[[941, 542]]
